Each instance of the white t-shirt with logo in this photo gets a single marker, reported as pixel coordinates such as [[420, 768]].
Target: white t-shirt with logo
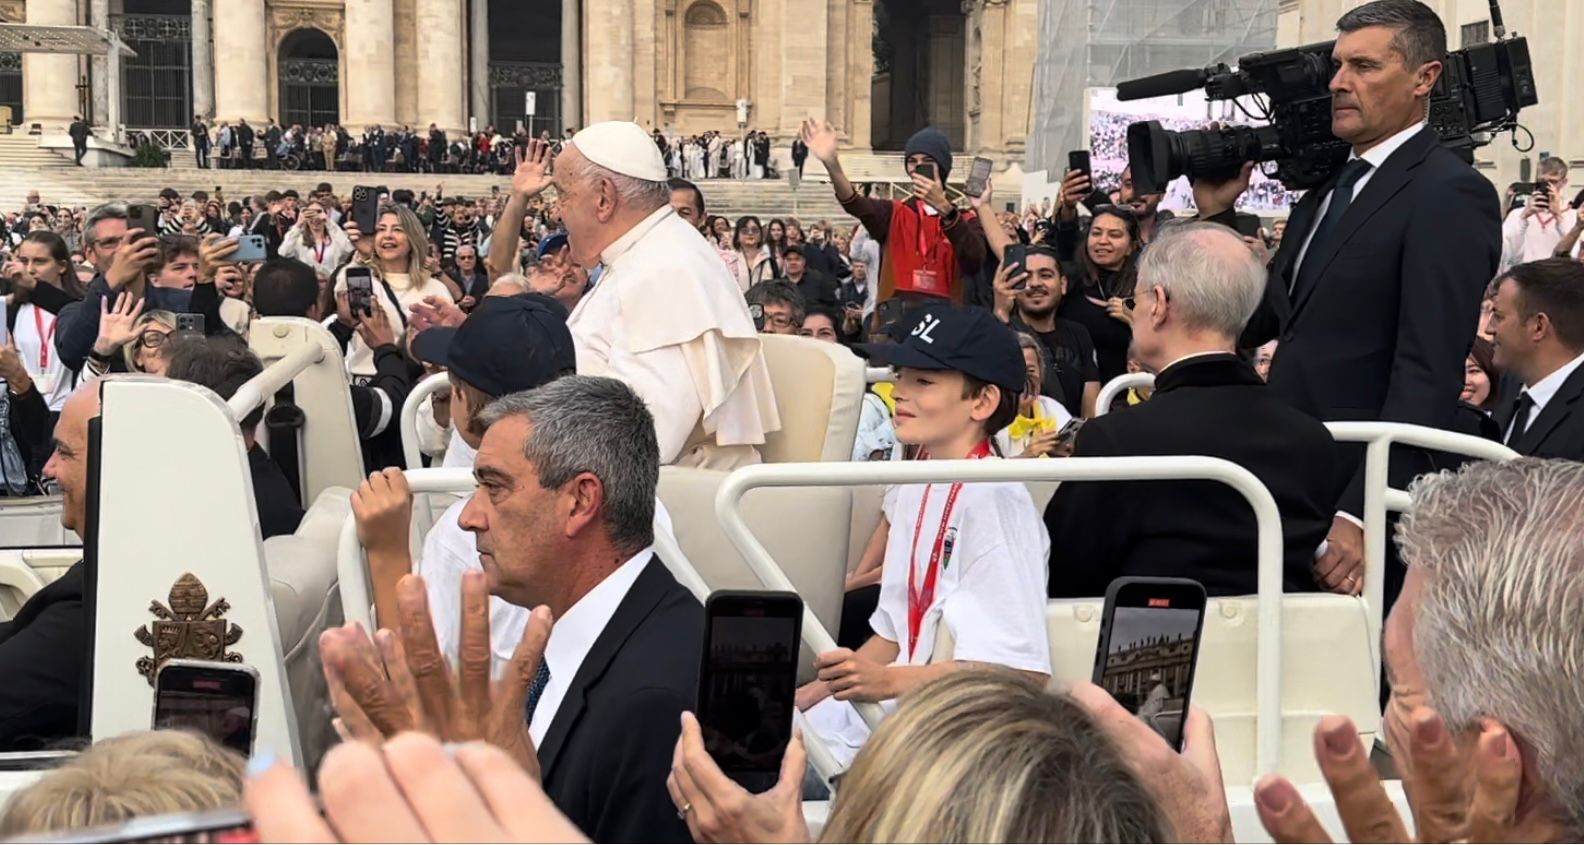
[[990, 591]]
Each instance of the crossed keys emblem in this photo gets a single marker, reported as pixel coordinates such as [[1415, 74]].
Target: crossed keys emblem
[[190, 628]]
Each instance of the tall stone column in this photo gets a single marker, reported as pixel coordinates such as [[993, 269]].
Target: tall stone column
[[99, 66], [609, 72], [571, 63], [49, 91], [440, 92], [202, 60], [478, 63], [370, 79], [242, 81]]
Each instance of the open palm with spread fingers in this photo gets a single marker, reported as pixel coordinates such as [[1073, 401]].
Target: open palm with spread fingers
[[533, 169], [404, 683], [1456, 795], [820, 137]]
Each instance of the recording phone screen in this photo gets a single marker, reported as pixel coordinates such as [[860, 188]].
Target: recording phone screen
[[216, 703], [1149, 662], [747, 686]]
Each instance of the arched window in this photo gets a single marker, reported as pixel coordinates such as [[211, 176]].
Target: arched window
[[309, 79], [706, 50]]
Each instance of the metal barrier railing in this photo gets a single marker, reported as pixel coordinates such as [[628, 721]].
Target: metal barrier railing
[[728, 507], [1380, 497], [1116, 386]]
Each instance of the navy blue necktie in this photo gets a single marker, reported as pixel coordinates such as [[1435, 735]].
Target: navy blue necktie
[[1341, 198], [537, 687], [1520, 420]]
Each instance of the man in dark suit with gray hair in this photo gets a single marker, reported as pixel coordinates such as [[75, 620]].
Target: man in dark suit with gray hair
[[563, 519], [1375, 292]]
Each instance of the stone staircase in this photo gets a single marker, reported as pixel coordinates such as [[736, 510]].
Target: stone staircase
[[24, 167]]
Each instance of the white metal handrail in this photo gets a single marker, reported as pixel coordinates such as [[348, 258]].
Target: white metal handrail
[[1380, 497], [352, 566], [728, 507], [1126, 381], [277, 375], [875, 375], [429, 386]]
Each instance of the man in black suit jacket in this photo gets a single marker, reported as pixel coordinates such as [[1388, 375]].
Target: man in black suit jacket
[[563, 523], [1197, 284], [1537, 324], [1375, 292], [44, 650]]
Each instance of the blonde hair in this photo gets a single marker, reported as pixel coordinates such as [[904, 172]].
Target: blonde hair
[[417, 242], [138, 774], [130, 350], [989, 756]]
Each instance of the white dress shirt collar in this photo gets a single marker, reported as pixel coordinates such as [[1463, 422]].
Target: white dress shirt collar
[[574, 634], [1545, 389], [1378, 154], [626, 242]]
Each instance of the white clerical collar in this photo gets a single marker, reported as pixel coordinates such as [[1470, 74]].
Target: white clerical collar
[[626, 242]]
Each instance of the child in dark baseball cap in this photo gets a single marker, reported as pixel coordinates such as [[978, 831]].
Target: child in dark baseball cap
[[970, 557]]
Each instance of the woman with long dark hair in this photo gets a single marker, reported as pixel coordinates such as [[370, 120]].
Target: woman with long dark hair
[[1100, 279], [776, 237], [43, 282], [758, 263]]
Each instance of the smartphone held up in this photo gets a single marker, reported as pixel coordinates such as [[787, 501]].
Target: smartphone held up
[[748, 682], [1149, 644]]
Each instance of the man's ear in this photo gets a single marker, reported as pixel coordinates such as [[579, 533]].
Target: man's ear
[[584, 498], [1425, 78]]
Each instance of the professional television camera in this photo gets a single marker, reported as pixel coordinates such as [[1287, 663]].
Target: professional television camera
[[1479, 94]]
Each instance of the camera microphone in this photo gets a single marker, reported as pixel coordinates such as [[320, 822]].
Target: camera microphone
[[1163, 84]]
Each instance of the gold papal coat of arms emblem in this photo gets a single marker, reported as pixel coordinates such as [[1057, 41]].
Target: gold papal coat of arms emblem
[[190, 628]]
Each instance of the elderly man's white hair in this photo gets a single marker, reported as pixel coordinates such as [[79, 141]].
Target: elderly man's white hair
[[641, 193], [1499, 627], [1211, 279]]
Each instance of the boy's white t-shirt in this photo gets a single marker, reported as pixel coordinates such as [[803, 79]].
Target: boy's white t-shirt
[[990, 592]]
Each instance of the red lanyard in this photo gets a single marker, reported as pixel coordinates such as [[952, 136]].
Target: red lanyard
[[919, 601], [319, 249], [45, 340]]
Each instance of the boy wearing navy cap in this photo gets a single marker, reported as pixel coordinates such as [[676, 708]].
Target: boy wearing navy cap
[[971, 557], [508, 344]]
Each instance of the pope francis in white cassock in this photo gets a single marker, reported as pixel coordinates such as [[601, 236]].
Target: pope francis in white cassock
[[666, 315]]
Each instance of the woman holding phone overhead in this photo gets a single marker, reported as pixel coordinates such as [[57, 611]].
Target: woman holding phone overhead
[[395, 253], [317, 241], [1099, 263]]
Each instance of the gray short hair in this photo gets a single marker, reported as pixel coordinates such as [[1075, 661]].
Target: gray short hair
[[108, 211], [640, 193], [1553, 166], [778, 292], [1421, 37], [599, 426], [1211, 278], [1496, 630]]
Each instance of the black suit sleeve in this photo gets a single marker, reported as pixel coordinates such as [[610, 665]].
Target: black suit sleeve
[[1448, 259], [377, 405], [627, 793], [1081, 523], [42, 666]]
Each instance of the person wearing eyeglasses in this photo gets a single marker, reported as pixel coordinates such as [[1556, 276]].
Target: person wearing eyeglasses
[[124, 259]]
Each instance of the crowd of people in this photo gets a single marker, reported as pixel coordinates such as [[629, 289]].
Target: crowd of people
[[597, 323], [713, 155], [404, 149]]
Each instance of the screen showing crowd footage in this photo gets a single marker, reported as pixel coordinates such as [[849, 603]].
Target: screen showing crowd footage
[[1150, 664], [752, 680]]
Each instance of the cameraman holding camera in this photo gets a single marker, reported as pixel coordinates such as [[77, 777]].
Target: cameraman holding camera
[[1375, 292]]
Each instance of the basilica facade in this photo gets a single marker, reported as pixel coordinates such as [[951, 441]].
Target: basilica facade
[[877, 69]]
